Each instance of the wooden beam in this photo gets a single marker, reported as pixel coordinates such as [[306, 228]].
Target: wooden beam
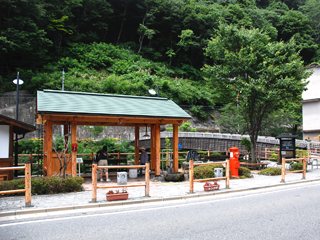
[[136, 144], [107, 120], [74, 153], [175, 141], [157, 149]]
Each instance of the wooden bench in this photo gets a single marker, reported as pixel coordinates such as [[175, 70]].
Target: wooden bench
[[254, 166]]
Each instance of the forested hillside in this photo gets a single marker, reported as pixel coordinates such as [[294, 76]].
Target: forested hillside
[[203, 54]]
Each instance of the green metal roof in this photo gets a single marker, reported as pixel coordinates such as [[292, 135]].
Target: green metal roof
[[65, 102]]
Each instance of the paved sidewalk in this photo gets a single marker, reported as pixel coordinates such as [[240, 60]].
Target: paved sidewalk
[[159, 191]]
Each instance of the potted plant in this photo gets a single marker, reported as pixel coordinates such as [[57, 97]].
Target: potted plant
[[117, 195], [211, 186]]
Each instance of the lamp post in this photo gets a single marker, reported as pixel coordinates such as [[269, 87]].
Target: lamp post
[[18, 82], [154, 92]]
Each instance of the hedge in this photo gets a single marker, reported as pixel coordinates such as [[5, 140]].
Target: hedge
[[46, 185]]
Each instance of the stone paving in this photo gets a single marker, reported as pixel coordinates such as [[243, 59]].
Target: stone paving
[[158, 191]]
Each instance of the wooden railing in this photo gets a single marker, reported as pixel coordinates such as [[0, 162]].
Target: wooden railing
[[191, 174], [95, 185], [27, 182], [284, 171]]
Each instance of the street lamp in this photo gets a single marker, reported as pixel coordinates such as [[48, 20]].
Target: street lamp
[[18, 82], [154, 92]]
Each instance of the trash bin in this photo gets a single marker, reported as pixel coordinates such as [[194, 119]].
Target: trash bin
[[122, 178], [218, 172], [133, 173]]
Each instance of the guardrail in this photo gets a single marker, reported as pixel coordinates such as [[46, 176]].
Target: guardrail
[[27, 182], [95, 185], [191, 174], [284, 171]]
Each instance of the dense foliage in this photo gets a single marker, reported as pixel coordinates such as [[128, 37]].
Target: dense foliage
[[244, 57]]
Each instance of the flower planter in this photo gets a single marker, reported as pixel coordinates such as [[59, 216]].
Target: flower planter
[[117, 196], [211, 186]]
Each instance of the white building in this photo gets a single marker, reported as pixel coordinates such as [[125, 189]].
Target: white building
[[311, 106]]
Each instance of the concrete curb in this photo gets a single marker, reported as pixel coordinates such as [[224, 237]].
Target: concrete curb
[[146, 200]]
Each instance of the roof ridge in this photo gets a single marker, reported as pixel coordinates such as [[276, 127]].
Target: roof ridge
[[102, 94]]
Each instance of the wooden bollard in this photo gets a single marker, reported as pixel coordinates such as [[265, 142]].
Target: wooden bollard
[[304, 168], [283, 170], [191, 176], [147, 179], [94, 183], [227, 173], [27, 182]]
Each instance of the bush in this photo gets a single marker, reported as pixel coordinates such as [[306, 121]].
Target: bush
[[271, 171], [206, 171], [174, 177], [46, 185], [294, 166], [244, 172]]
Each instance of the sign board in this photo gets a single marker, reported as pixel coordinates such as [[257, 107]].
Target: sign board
[[79, 160]]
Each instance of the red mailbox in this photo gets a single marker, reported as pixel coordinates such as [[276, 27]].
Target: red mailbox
[[234, 161]]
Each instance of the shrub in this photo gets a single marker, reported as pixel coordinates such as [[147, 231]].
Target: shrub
[[46, 185], [206, 171], [271, 171], [174, 177], [294, 166], [244, 172]]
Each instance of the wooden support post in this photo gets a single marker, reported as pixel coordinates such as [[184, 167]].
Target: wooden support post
[[304, 164], [94, 182], [208, 153], [228, 174], [136, 145], [47, 147], [283, 170], [157, 149], [191, 176], [73, 153], [175, 142], [27, 182], [265, 154], [153, 148], [147, 179]]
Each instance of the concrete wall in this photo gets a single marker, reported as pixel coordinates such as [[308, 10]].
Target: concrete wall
[[311, 106]]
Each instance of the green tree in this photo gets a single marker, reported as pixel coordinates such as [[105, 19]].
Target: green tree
[[268, 75]]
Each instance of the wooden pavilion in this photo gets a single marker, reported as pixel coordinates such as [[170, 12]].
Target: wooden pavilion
[[9, 127], [72, 109]]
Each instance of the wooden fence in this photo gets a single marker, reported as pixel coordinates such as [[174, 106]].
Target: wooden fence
[[284, 171], [192, 179], [95, 185], [27, 182]]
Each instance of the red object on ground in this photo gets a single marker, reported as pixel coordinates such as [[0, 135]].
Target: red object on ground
[[234, 161], [211, 186]]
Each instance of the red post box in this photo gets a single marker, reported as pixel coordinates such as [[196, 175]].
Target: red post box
[[234, 161]]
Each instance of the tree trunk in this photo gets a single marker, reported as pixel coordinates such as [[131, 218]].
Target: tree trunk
[[253, 140], [122, 22]]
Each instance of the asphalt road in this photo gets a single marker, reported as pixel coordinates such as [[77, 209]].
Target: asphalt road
[[279, 213]]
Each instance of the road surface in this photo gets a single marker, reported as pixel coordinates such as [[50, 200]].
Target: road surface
[[290, 212]]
